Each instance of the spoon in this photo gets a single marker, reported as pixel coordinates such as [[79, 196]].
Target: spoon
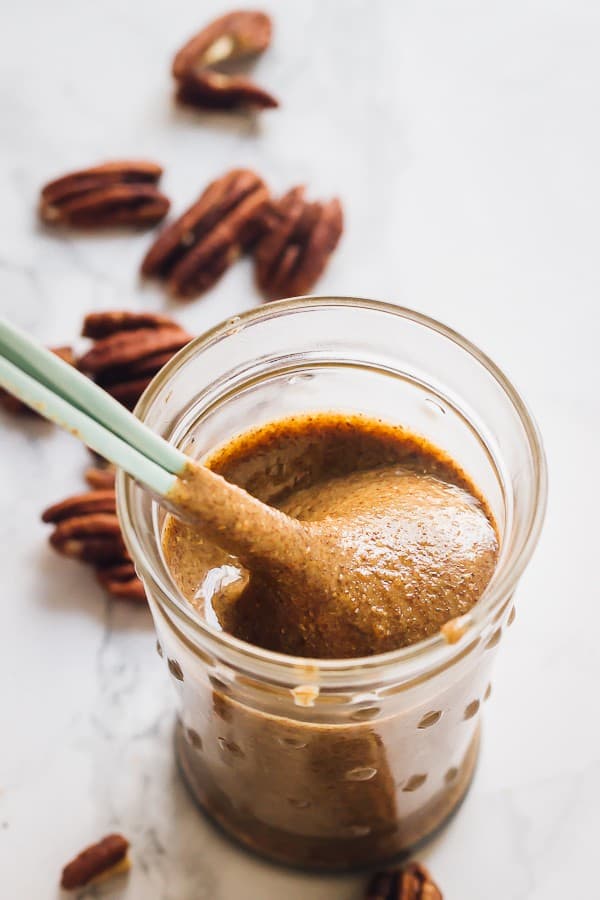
[[352, 581]]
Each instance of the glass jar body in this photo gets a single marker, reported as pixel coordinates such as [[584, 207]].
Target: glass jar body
[[333, 764], [355, 778]]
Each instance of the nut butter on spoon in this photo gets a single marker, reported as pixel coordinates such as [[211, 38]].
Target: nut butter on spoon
[[358, 564], [352, 565]]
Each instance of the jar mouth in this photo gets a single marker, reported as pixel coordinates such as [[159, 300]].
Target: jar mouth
[[435, 649]]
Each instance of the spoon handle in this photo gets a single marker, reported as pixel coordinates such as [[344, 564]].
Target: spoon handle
[[70, 384], [234, 519], [57, 409]]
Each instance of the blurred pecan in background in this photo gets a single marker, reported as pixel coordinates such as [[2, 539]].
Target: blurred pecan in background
[[122, 192], [86, 527], [107, 857], [14, 405], [192, 253], [99, 479], [229, 39], [297, 240], [411, 882], [129, 349]]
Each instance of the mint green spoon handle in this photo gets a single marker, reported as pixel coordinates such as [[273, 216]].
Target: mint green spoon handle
[[50, 405], [67, 382], [57, 391]]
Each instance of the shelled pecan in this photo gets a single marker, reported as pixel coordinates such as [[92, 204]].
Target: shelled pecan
[[98, 501], [230, 39], [297, 240], [99, 479], [121, 582], [123, 192], [14, 405], [103, 324], [411, 882], [86, 527], [128, 350], [93, 537], [102, 860], [192, 253]]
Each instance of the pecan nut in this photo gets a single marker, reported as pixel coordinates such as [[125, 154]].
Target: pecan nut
[[193, 252], [102, 324], [297, 240], [14, 405], [106, 858], [100, 478], [123, 348], [213, 90], [233, 37], [99, 501], [122, 582], [114, 193], [86, 527], [128, 351], [411, 882], [92, 537]]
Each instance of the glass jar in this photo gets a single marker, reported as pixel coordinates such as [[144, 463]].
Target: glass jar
[[336, 763]]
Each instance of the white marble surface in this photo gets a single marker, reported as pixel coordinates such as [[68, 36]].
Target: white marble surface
[[464, 139]]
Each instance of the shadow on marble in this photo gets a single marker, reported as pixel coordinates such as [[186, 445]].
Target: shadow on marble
[[242, 122]]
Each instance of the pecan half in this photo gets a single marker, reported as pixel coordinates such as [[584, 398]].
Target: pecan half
[[122, 582], [93, 537], [102, 324], [106, 858], [123, 348], [86, 527], [114, 193], [411, 882], [100, 478], [192, 253], [100, 501], [231, 38], [297, 240], [14, 405], [128, 350]]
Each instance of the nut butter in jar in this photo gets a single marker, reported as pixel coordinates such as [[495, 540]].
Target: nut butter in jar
[[321, 762]]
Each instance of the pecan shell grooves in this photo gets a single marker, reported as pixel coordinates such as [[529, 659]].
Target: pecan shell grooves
[[112, 194], [125, 347], [102, 324], [234, 37], [297, 241], [86, 527], [193, 252], [128, 351], [96, 860], [91, 536], [81, 504], [115, 172]]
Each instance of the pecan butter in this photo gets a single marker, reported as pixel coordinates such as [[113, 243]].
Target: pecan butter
[[322, 780], [399, 542]]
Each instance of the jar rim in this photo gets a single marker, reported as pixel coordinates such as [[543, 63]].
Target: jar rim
[[434, 649]]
